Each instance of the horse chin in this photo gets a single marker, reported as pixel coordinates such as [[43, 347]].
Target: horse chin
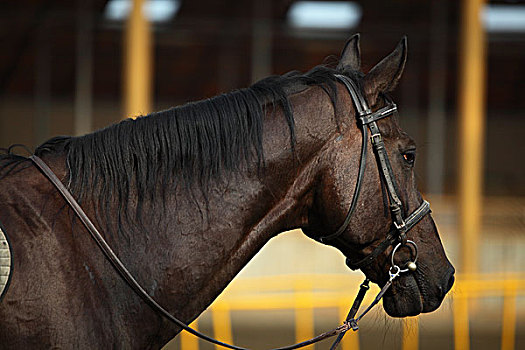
[[404, 298]]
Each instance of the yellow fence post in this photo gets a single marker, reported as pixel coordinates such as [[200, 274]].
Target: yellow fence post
[[137, 63], [411, 333], [351, 339], [508, 322], [461, 322], [222, 326], [304, 313], [189, 341], [471, 131]]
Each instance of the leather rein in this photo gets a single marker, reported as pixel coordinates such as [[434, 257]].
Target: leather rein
[[397, 235]]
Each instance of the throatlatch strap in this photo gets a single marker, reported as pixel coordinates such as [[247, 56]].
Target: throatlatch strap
[[355, 197]]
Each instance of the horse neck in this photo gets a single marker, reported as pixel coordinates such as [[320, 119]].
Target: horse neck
[[203, 244]]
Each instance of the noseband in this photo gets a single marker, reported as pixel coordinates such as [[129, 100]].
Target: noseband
[[397, 236]]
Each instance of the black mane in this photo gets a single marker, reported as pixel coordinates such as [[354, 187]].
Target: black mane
[[190, 144]]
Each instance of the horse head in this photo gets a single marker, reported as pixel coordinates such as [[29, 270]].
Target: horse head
[[389, 211]]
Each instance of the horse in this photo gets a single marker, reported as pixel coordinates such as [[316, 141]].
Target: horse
[[187, 196]]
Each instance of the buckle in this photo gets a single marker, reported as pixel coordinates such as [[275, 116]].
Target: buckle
[[401, 226], [366, 112], [353, 324], [376, 138]]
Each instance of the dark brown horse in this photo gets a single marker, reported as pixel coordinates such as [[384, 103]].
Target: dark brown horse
[[186, 197]]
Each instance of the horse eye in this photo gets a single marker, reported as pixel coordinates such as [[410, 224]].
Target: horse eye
[[410, 156]]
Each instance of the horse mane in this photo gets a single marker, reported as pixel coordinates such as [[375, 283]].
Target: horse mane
[[190, 144]]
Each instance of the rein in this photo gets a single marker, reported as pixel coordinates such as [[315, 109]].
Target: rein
[[123, 272], [395, 236]]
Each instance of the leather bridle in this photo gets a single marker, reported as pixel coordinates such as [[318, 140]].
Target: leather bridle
[[402, 225], [397, 235]]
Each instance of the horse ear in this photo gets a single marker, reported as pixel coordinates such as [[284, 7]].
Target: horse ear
[[351, 55], [385, 76]]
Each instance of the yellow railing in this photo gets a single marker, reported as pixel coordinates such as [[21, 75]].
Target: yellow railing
[[305, 293]]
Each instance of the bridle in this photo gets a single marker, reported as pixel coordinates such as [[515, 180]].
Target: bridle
[[402, 225], [397, 235]]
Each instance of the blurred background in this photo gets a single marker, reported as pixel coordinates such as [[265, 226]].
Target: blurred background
[[70, 67]]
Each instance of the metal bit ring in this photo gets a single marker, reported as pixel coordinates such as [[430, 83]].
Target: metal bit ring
[[414, 248]]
